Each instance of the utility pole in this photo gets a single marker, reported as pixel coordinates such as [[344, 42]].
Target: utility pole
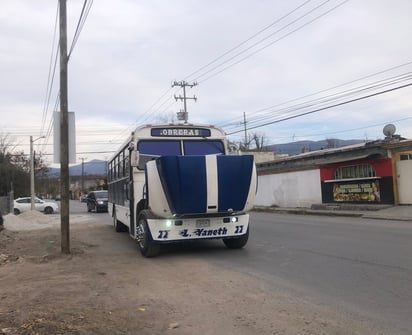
[[31, 174], [244, 123], [11, 197], [32, 193], [64, 132], [184, 84], [83, 158]]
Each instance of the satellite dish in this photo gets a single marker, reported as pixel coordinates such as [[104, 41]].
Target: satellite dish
[[389, 130]]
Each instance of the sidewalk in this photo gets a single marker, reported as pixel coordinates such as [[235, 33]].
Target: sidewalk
[[383, 212]]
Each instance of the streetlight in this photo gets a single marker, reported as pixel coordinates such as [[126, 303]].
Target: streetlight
[[32, 169]]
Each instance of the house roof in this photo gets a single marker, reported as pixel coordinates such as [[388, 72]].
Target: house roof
[[310, 160]]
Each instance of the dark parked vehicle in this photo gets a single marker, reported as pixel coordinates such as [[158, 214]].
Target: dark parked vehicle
[[97, 201]]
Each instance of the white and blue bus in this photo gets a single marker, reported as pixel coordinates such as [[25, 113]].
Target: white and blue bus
[[175, 182]]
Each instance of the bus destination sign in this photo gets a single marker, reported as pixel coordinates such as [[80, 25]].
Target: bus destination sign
[[180, 132]]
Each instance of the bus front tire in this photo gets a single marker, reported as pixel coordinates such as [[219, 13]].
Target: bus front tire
[[147, 246], [237, 242]]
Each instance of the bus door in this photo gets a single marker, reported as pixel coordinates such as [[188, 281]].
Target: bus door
[[130, 190]]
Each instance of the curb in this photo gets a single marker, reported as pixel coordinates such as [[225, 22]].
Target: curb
[[305, 211], [392, 218], [321, 212]]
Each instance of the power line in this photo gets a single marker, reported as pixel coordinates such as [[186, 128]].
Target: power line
[[51, 75], [170, 97], [325, 108], [359, 128], [247, 40], [239, 119], [335, 132], [149, 112], [80, 24], [82, 19], [328, 99], [262, 48]]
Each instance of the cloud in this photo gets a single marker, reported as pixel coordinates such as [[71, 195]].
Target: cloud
[[129, 52]]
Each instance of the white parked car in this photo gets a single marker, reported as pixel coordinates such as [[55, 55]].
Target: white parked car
[[24, 204]]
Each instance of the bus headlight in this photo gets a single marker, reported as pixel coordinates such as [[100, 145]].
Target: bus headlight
[[232, 219]]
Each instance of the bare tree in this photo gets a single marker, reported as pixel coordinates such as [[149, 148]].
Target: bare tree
[[10, 173], [246, 143], [260, 141], [166, 118], [6, 144], [255, 141], [332, 143], [15, 167]]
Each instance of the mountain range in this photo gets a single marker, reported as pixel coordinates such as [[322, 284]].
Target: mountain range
[[295, 148], [95, 167], [98, 167]]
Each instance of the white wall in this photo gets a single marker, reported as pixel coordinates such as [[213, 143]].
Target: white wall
[[290, 189], [404, 175]]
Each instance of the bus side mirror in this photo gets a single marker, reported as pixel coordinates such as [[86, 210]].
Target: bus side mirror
[[134, 159]]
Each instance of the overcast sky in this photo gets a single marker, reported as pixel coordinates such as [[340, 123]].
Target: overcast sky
[[270, 60]]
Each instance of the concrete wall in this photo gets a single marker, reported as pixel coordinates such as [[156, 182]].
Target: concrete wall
[[290, 189]]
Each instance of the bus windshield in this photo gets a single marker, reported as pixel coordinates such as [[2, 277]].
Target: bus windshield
[[151, 149], [203, 147]]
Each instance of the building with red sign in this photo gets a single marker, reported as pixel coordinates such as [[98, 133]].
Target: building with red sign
[[378, 172]]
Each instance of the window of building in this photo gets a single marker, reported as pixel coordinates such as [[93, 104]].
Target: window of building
[[355, 171], [406, 157]]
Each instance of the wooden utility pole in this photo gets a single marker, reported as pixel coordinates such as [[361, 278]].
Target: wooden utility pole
[[64, 132], [184, 84], [244, 123], [32, 193], [83, 158]]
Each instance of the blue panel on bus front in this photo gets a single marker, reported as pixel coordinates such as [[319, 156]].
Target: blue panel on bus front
[[184, 183], [234, 178]]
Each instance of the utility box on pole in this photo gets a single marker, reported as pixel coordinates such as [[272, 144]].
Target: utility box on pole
[[72, 137]]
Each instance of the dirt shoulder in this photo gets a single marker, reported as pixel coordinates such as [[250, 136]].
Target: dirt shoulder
[[106, 287]]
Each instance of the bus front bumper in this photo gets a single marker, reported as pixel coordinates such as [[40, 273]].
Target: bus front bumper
[[168, 230]]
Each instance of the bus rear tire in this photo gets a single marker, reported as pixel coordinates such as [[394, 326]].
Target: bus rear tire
[[147, 246], [236, 242]]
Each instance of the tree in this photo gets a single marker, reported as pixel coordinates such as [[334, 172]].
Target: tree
[[260, 141], [332, 143], [15, 168], [6, 145], [255, 141], [166, 118]]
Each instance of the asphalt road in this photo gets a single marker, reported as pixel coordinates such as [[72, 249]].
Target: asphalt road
[[77, 207], [358, 266], [363, 266]]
